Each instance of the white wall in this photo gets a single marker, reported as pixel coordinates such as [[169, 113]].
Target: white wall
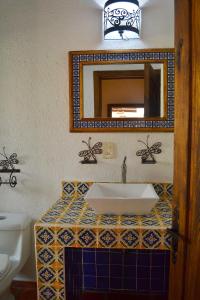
[[35, 37]]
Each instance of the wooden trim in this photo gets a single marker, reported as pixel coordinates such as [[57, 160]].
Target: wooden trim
[[97, 81], [192, 279], [123, 129], [123, 74], [125, 119], [181, 140], [165, 91], [172, 50], [184, 279], [24, 290]]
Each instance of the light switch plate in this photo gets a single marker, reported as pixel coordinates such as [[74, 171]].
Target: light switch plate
[[108, 150]]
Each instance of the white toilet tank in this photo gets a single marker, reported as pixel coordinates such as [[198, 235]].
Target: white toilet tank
[[15, 235], [14, 247]]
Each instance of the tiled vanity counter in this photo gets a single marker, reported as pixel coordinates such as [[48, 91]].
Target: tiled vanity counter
[[70, 223]]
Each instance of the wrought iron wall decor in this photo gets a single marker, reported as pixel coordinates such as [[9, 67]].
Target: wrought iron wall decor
[[78, 60], [89, 155], [147, 154], [121, 19], [7, 166]]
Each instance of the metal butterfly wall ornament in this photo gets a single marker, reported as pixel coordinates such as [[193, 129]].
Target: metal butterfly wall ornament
[[147, 154], [89, 156], [9, 162], [7, 166]]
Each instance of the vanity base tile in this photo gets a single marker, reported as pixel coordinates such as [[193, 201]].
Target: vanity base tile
[[116, 271], [70, 224]]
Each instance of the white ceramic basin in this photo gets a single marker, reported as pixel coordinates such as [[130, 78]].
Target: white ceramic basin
[[122, 199]]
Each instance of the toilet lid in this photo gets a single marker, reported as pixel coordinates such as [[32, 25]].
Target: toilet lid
[[4, 264], [14, 221]]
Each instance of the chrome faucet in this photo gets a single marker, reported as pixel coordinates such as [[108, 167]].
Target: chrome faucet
[[124, 170]]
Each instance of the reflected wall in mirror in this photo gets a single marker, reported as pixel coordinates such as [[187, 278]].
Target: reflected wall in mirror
[[129, 90]]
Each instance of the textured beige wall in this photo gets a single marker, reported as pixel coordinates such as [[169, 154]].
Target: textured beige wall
[[35, 37]]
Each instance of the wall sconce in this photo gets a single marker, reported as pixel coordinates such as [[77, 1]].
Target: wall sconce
[[122, 19]]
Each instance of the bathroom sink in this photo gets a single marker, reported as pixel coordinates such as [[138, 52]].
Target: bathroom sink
[[122, 199]]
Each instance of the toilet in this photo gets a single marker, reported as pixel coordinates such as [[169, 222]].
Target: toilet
[[14, 246]]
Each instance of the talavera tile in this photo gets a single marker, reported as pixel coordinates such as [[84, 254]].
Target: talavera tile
[[108, 238], [129, 238], [87, 238], [46, 256], [47, 293], [71, 223], [151, 239], [47, 274], [66, 237]]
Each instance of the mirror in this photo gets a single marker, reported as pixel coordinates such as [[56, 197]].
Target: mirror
[[129, 90], [123, 91]]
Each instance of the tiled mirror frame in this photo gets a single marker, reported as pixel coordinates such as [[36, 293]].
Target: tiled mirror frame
[[77, 59]]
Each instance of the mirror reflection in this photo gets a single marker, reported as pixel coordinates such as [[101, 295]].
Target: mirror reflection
[[123, 91]]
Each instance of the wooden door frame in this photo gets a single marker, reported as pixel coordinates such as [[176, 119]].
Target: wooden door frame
[[192, 282], [184, 279]]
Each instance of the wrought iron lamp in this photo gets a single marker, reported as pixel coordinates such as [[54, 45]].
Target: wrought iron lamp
[[121, 19]]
